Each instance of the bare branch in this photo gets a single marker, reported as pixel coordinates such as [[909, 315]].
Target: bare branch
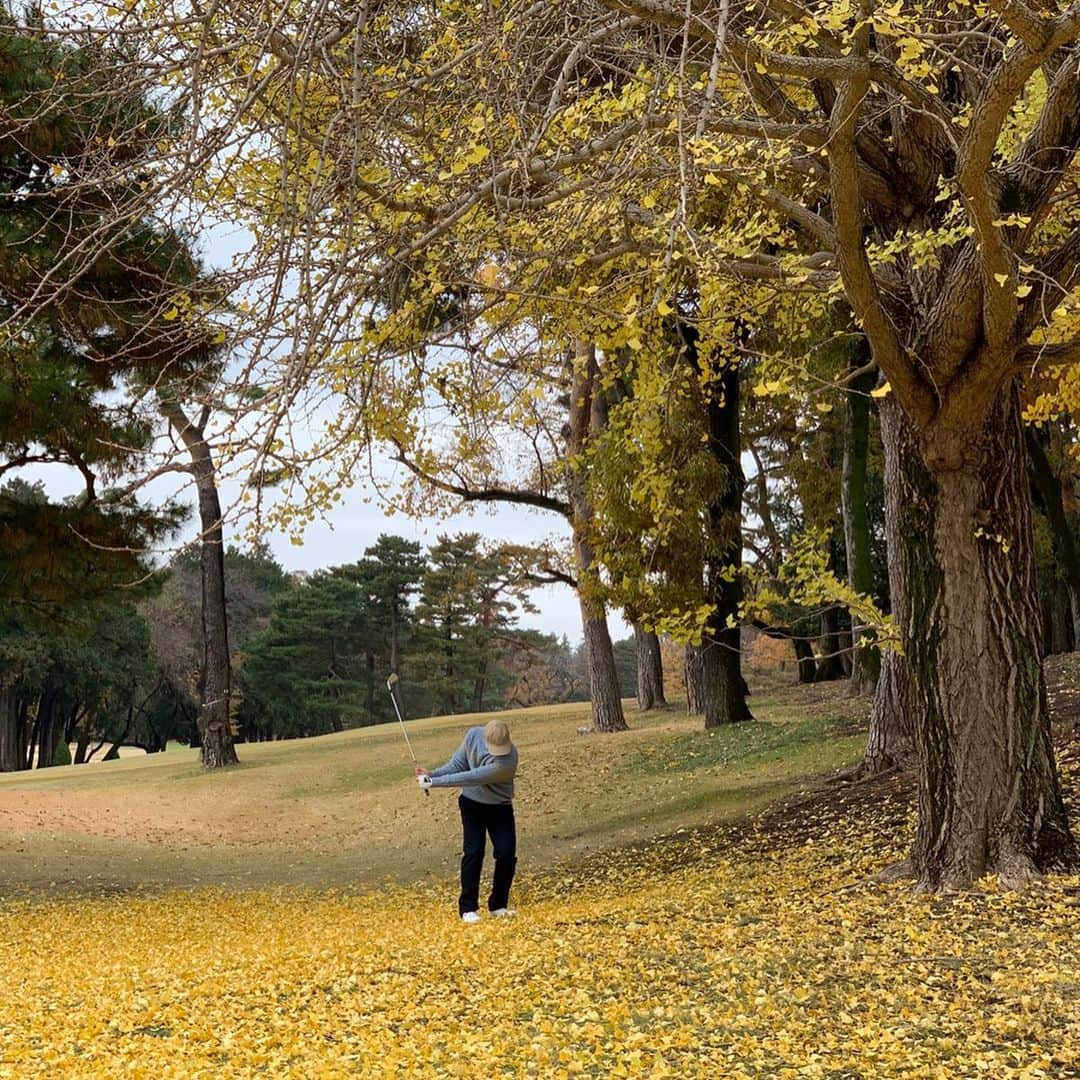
[[464, 491]]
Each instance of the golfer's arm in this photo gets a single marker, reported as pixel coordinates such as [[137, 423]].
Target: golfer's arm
[[456, 764], [483, 774]]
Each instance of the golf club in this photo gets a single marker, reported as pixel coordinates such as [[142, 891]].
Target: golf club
[[390, 684]]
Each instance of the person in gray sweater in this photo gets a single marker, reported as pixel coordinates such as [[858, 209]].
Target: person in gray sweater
[[483, 766]]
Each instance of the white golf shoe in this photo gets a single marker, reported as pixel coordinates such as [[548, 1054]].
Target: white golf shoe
[[504, 913], [470, 917]]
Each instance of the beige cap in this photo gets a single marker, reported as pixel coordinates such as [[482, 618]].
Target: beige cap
[[497, 738]]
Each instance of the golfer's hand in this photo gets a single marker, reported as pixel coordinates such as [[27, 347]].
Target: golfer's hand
[[420, 771], [424, 782]]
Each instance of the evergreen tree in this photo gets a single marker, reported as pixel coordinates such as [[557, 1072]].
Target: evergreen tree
[[76, 282], [303, 675], [468, 602]]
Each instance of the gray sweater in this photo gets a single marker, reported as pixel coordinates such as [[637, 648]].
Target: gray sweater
[[482, 777]]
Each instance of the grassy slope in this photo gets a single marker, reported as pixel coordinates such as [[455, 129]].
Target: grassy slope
[[342, 809]]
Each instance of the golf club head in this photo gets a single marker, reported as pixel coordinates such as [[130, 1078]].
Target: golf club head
[[391, 682]]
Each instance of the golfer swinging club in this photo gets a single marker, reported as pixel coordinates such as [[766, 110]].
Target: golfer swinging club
[[483, 766]]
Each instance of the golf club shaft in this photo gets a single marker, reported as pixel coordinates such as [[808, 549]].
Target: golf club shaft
[[401, 720]]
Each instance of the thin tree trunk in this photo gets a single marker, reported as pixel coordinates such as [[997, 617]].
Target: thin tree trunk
[[450, 698], [891, 741], [804, 656], [395, 693], [694, 676], [846, 646], [1058, 620], [215, 732], [47, 728], [586, 417], [865, 658], [113, 752], [723, 690], [1048, 490], [33, 731], [989, 796], [607, 712], [370, 703], [478, 688], [10, 756], [831, 666], [650, 670], [394, 635]]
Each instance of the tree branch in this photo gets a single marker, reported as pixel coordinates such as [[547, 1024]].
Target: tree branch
[[861, 287], [1021, 21], [1062, 352], [486, 494]]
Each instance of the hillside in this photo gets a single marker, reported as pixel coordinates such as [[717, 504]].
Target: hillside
[[342, 809]]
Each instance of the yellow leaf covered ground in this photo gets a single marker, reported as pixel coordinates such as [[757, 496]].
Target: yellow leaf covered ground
[[766, 954]]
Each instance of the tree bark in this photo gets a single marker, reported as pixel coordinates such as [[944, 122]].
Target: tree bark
[[723, 689], [650, 670], [369, 659], [587, 417], [47, 728], [865, 658], [891, 741], [394, 635], [607, 712], [1047, 487], [479, 686], [989, 796], [450, 697], [1057, 621], [831, 665], [10, 743], [81, 745], [804, 656], [694, 675], [215, 733]]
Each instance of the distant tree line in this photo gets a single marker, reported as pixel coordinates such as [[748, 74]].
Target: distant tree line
[[444, 621], [311, 653]]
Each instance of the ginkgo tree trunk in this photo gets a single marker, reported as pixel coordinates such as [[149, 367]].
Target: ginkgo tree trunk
[[584, 415], [989, 797], [650, 669], [890, 743], [587, 418]]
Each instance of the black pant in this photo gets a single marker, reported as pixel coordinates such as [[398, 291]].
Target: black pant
[[478, 821]]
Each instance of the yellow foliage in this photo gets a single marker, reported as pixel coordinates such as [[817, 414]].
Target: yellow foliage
[[760, 955]]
